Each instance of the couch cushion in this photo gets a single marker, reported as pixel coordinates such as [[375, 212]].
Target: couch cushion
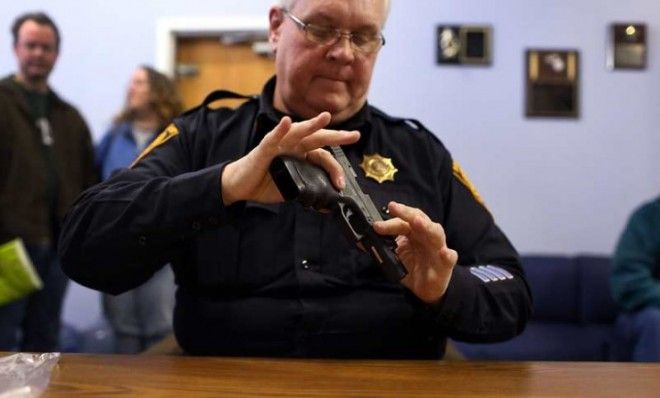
[[595, 303], [548, 342], [553, 281]]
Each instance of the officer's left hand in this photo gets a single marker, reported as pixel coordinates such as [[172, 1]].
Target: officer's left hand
[[422, 248]]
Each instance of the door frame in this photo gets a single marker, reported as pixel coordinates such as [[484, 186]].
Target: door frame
[[169, 29]]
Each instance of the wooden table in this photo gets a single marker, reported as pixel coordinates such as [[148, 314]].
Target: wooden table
[[179, 376]]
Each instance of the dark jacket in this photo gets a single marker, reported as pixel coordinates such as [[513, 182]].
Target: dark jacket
[[282, 280], [24, 169], [635, 279]]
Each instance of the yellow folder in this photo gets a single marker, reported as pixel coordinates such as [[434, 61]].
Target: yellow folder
[[18, 277]]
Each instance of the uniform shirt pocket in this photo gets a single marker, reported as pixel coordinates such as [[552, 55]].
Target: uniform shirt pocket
[[382, 194]]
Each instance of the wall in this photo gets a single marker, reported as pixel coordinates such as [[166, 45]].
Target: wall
[[555, 186]]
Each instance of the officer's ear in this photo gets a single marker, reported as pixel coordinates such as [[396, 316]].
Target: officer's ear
[[276, 19]]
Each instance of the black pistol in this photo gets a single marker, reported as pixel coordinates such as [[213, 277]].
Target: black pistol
[[310, 185]]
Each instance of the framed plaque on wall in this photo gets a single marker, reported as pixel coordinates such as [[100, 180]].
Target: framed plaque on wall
[[464, 44], [627, 46], [552, 83]]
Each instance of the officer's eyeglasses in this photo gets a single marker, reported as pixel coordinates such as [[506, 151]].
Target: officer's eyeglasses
[[364, 42]]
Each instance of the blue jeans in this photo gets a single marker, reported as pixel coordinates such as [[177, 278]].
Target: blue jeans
[[33, 322], [641, 333], [142, 316]]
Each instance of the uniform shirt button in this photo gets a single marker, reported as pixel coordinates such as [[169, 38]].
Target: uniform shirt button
[[305, 264], [142, 240], [196, 226]]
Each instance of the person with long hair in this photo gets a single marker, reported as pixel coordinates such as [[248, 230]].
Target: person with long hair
[[142, 316]]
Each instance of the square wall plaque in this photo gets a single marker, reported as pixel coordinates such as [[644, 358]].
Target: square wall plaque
[[552, 82], [464, 44], [626, 47]]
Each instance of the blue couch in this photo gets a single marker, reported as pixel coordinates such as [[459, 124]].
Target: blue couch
[[574, 314]]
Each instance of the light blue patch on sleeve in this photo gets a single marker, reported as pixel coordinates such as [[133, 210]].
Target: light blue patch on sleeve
[[490, 273], [500, 271], [480, 274]]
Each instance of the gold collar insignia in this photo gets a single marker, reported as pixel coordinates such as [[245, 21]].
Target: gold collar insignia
[[379, 168], [170, 131]]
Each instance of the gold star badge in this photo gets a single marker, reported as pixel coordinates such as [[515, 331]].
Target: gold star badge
[[379, 168]]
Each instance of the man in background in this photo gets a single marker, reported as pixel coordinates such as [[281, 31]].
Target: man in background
[[635, 283], [47, 159]]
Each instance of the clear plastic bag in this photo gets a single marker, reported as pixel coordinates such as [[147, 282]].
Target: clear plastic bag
[[26, 375]]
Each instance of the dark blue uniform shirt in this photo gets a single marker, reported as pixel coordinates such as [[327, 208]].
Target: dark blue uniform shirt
[[282, 280]]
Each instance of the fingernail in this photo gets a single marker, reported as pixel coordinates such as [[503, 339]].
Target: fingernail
[[341, 182]]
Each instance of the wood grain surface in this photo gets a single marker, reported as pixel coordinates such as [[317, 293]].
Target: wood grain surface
[[180, 376]]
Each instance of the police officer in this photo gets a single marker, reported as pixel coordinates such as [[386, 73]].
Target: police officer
[[258, 276]]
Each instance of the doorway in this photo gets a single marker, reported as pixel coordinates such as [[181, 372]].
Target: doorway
[[238, 62], [185, 47]]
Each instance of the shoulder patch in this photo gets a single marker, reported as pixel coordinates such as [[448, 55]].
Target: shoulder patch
[[490, 273], [170, 131], [460, 175]]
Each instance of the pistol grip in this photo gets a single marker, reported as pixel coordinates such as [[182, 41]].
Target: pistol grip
[[302, 181]]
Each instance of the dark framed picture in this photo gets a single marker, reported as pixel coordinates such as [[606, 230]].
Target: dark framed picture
[[464, 44], [552, 83], [475, 44], [627, 46]]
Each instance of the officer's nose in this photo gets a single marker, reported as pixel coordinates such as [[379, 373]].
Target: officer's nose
[[342, 50]]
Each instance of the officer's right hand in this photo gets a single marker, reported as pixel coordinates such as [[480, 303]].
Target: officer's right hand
[[248, 178]]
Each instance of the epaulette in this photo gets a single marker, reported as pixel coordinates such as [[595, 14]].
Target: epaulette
[[219, 95], [412, 123]]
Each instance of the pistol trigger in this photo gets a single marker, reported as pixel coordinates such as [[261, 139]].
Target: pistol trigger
[[346, 213]]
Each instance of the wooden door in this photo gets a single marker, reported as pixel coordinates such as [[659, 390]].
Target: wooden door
[[204, 64]]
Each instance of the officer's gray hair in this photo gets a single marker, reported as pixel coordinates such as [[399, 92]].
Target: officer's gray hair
[[288, 5]]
